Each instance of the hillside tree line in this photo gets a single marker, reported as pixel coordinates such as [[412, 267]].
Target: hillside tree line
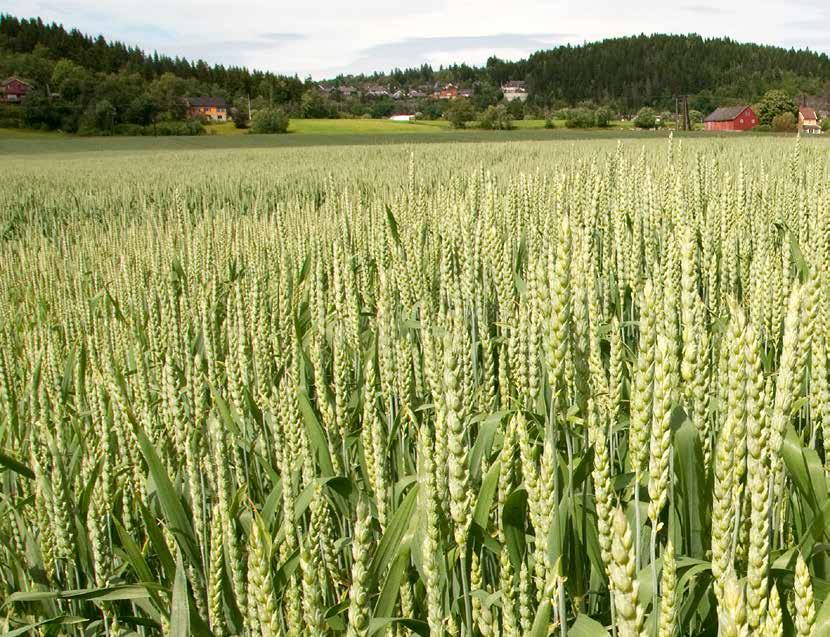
[[86, 83]]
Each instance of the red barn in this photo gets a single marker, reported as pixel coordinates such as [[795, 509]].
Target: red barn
[[14, 90], [732, 118]]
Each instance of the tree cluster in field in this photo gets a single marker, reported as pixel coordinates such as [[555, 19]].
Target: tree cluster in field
[[586, 117], [647, 118], [269, 121], [461, 112], [777, 112]]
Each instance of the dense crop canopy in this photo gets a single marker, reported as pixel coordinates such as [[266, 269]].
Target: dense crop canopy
[[365, 391]]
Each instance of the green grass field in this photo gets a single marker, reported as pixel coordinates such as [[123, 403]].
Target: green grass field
[[340, 127], [324, 132], [302, 133], [369, 126], [363, 126], [30, 133]]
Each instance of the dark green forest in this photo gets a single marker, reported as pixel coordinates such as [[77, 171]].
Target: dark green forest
[[85, 83], [33, 44], [647, 70]]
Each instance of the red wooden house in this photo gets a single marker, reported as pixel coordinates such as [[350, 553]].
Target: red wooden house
[[731, 118], [14, 90], [448, 92]]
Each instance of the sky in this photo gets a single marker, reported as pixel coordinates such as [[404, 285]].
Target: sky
[[324, 38]]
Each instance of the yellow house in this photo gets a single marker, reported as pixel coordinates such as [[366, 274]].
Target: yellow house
[[212, 108], [808, 120]]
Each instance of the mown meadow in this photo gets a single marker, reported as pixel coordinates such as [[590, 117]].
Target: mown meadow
[[514, 389]]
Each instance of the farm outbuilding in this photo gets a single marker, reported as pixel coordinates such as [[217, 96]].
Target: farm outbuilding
[[13, 90], [735, 118]]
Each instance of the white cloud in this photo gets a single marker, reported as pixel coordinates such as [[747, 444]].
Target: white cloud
[[445, 50], [473, 55], [327, 37]]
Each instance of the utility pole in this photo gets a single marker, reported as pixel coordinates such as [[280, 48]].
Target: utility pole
[[687, 124], [249, 107], [676, 113], [681, 113]]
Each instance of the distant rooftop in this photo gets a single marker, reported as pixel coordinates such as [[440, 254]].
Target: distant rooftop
[[725, 113], [807, 112], [216, 102]]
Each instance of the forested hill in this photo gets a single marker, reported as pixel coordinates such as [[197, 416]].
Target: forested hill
[[28, 45], [644, 69]]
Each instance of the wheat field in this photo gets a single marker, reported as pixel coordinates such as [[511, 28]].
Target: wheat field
[[520, 389]]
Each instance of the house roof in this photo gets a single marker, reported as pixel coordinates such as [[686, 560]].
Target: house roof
[[217, 102], [807, 112], [725, 113], [513, 84], [11, 79]]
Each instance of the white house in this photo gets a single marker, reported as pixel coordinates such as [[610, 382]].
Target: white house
[[375, 90], [514, 90]]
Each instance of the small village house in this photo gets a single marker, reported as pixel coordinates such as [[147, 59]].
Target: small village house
[[447, 92], [808, 121], [514, 90], [450, 92], [375, 90], [346, 91], [14, 90], [731, 118], [212, 108]]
